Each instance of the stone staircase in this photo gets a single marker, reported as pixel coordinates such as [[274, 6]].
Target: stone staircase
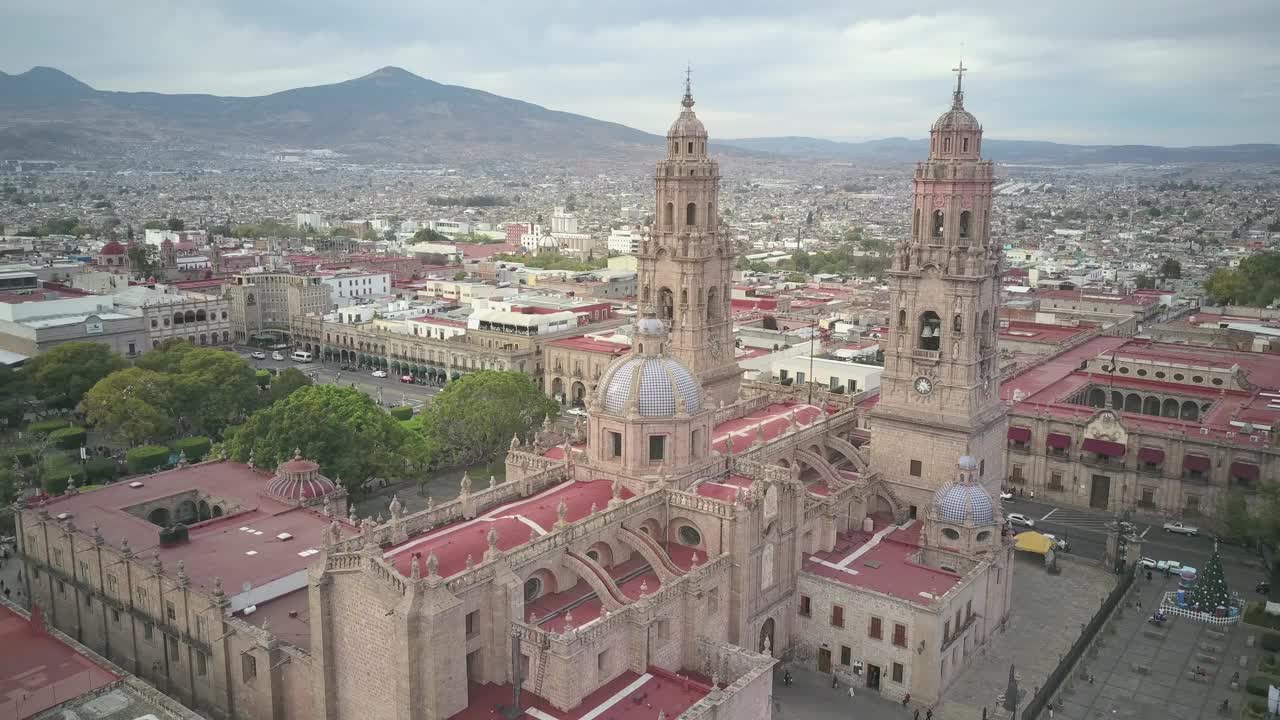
[[604, 587], [652, 552]]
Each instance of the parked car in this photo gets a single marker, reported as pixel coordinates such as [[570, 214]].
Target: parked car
[[1058, 543], [1171, 566], [1147, 563], [576, 411], [1006, 495], [277, 356], [258, 355], [1263, 587], [406, 378], [379, 373], [1181, 529], [1020, 519]]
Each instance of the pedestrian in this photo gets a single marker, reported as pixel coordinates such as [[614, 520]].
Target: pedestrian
[[928, 714], [850, 692], [917, 717], [1033, 494], [6, 593], [1090, 678], [906, 699], [1050, 711], [833, 681], [1139, 603]]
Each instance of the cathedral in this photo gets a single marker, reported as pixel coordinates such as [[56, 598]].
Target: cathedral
[[657, 561]]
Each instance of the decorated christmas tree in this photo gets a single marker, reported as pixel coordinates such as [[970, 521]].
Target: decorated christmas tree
[[1211, 587]]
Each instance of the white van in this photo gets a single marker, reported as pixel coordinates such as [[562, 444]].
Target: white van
[[301, 356]]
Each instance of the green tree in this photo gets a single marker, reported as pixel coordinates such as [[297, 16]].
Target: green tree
[[340, 428], [177, 224], [1210, 591], [286, 383], [154, 225], [144, 260], [1171, 268], [212, 388], [1020, 224], [800, 260], [15, 394], [63, 375], [460, 275], [1255, 282], [132, 405], [1237, 522], [1145, 282], [474, 418]]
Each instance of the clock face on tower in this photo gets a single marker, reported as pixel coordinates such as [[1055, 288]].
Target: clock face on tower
[[924, 385]]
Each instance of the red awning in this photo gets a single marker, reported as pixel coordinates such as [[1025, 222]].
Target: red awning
[[1247, 471], [1059, 441], [1195, 462], [1019, 434], [1151, 456], [1103, 447]]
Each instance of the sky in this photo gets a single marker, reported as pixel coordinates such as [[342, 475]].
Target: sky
[[1166, 72]]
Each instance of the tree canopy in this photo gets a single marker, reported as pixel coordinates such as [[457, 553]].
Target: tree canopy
[[342, 429], [63, 375], [430, 236], [1255, 282], [286, 383], [132, 405], [212, 389], [555, 261], [1171, 268], [473, 418]]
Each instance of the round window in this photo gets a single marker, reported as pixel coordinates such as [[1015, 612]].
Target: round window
[[594, 555], [689, 535], [1197, 378], [1179, 377], [1217, 381], [532, 589], [950, 534], [1124, 371], [1142, 373], [984, 535], [1160, 374]]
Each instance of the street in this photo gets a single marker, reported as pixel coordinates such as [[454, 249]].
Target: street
[[1086, 532], [388, 390]]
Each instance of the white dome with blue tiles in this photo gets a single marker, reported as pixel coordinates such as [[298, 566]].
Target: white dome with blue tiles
[[964, 502], [653, 386]]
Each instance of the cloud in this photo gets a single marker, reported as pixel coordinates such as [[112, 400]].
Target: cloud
[[1146, 71]]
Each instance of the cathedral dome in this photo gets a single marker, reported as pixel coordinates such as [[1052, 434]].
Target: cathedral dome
[[957, 118], [654, 386], [687, 124], [964, 502], [299, 479], [113, 248]]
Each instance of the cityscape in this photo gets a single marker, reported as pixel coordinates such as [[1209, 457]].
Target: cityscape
[[395, 399]]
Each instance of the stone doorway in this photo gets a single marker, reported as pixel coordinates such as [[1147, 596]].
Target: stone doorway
[[1100, 496], [824, 660], [873, 676]]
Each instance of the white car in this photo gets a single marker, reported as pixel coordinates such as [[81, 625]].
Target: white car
[[1020, 519], [1169, 565], [1147, 563], [258, 355], [576, 411], [1181, 529], [276, 356], [1058, 543], [1006, 495], [379, 373]]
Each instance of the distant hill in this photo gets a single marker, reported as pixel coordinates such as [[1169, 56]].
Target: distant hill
[[394, 115], [1008, 151]]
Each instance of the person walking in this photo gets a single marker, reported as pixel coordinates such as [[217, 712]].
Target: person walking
[[928, 714]]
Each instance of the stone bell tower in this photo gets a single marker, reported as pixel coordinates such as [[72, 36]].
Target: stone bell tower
[[685, 265], [939, 394]]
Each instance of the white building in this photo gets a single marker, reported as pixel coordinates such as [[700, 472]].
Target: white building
[[521, 323], [563, 222], [451, 228], [828, 372], [311, 220], [348, 284], [624, 240]]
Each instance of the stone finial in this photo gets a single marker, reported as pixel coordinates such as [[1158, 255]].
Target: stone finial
[[768, 646], [415, 567], [515, 441], [182, 574], [728, 446], [693, 562], [644, 587], [470, 562], [182, 458], [125, 549], [433, 565], [594, 509], [378, 520], [615, 489], [250, 461], [760, 436], [395, 507], [327, 508], [156, 565], [492, 538], [546, 422], [297, 453], [351, 515], [493, 482], [466, 484], [662, 714], [568, 619], [562, 511], [367, 527], [431, 503], [217, 586], [97, 535]]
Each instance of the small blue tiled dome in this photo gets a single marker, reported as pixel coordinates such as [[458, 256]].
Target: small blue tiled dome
[[651, 384], [964, 503]]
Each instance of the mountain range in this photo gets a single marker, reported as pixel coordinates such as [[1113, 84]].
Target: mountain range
[[392, 115]]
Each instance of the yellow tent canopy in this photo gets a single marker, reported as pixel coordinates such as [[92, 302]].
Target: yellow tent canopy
[[1032, 541]]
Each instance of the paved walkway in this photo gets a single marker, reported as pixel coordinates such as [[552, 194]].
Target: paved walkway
[[1141, 672]]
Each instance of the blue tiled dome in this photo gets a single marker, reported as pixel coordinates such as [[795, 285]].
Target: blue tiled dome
[[964, 503], [650, 384]]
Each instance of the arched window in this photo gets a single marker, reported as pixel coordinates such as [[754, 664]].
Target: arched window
[[689, 535], [902, 318], [691, 214], [930, 331], [204, 339], [946, 145], [532, 589], [964, 223], [691, 148], [957, 324], [668, 217], [950, 534], [713, 306], [177, 318], [190, 316], [201, 316], [964, 145], [937, 223], [915, 224], [684, 296], [665, 302]]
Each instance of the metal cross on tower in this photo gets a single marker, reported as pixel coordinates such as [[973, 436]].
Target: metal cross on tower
[[959, 70]]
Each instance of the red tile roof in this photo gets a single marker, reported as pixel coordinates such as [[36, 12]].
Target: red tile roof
[[39, 671], [886, 566], [772, 418], [627, 697], [590, 344]]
